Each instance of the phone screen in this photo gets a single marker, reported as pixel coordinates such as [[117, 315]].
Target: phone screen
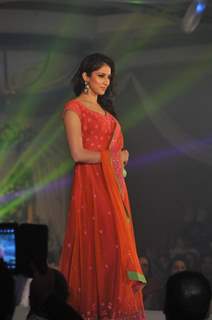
[[8, 246]]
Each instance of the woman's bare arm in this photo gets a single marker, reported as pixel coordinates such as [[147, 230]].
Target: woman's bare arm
[[74, 137]]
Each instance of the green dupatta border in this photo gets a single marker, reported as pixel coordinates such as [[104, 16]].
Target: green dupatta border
[[132, 275]]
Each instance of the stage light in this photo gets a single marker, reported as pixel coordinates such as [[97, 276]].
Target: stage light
[[193, 15], [200, 7]]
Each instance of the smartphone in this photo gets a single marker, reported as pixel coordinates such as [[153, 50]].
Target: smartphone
[[8, 244]]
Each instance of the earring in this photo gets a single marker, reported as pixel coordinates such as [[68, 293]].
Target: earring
[[86, 88]]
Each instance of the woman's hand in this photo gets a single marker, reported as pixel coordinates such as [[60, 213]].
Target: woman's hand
[[124, 156]]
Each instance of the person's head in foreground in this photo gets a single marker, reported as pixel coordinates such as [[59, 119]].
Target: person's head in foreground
[[7, 292], [187, 296]]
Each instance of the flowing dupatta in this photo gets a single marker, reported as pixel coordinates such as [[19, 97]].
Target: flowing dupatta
[[113, 173]]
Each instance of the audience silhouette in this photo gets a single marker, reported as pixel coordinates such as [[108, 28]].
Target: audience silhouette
[[7, 292], [187, 296]]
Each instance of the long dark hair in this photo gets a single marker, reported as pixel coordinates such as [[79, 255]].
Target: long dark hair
[[89, 64]]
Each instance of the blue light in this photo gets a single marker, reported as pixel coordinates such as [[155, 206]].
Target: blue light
[[200, 7]]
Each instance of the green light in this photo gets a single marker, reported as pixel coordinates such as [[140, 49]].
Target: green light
[[61, 170]]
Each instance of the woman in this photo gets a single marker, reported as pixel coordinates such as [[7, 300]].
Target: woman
[[152, 291], [99, 257], [178, 264]]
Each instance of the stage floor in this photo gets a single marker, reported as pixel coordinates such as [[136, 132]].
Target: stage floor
[[21, 313]]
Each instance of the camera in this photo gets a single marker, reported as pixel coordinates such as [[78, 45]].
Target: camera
[[24, 247], [8, 234]]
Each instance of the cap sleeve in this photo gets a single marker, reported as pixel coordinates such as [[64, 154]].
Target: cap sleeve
[[73, 106]]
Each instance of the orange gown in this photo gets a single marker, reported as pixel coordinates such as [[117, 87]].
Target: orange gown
[[99, 258]]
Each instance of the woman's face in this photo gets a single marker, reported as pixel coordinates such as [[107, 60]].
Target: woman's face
[[178, 266], [99, 80], [145, 265]]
